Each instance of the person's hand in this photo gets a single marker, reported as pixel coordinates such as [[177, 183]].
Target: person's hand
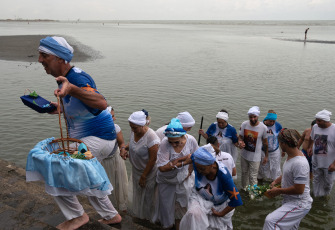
[[241, 144], [216, 213], [274, 192], [55, 111], [66, 87], [142, 181], [265, 160], [124, 153], [331, 167], [201, 131], [272, 185], [310, 151]]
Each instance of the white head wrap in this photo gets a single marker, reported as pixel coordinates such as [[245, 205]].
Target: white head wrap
[[323, 115], [109, 109], [222, 115], [186, 119], [138, 118], [210, 149], [254, 111], [62, 49]]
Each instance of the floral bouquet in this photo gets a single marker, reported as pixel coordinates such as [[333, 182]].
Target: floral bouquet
[[257, 191]]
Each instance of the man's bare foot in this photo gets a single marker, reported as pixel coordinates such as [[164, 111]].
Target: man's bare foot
[[115, 220], [74, 223]]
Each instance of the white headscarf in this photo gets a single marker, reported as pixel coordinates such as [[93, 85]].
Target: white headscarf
[[254, 111], [109, 109], [323, 115], [222, 115], [138, 118], [210, 149], [186, 119]]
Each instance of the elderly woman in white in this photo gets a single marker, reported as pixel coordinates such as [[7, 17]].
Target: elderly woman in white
[[143, 147], [173, 176], [224, 132]]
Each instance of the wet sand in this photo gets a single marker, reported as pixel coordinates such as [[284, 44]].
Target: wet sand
[[25, 48]]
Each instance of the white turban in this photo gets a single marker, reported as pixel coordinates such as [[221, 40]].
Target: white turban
[[109, 109], [222, 115], [56, 46], [210, 149], [138, 118], [186, 119], [323, 115], [254, 111]]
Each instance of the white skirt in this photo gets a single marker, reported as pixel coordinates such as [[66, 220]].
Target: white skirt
[[199, 215], [115, 168], [143, 199]]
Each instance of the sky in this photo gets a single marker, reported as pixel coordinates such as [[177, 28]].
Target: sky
[[168, 9]]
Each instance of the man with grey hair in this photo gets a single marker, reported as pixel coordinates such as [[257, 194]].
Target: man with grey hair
[[251, 137], [322, 149], [88, 120]]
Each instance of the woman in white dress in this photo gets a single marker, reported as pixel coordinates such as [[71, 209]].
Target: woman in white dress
[[115, 168], [173, 176], [143, 147], [224, 132]]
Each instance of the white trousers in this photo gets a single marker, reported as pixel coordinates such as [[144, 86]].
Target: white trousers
[[323, 181], [71, 208], [271, 170], [99, 148], [287, 217], [249, 172]]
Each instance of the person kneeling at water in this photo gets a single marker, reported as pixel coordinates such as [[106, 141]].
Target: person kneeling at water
[[214, 196], [294, 185]]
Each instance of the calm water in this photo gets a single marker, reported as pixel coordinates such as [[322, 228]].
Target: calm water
[[172, 67]]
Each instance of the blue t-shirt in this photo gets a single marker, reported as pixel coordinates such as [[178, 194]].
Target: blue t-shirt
[[273, 132], [83, 120], [229, 132], [220, 189]]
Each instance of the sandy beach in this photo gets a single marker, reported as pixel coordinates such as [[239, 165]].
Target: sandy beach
[[25, 48]]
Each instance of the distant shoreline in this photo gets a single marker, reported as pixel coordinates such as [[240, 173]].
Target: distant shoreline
[[28, 20], [25, 48]]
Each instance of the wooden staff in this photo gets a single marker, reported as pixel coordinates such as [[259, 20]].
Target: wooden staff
[[202, 119]]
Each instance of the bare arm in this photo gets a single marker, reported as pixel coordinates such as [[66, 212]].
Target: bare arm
[[180, 162], [152, 160], [233, 173], [240, 142], [266, 150], [203, 134], [223, 212], [122, 146], [301, 140], [91, 99], [296, 189], [310, 147]]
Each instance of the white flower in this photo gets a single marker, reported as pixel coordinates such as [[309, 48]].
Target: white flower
[[252, 197]]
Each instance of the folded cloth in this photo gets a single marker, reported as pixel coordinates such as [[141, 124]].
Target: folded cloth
[[323, 115], [64, 172]]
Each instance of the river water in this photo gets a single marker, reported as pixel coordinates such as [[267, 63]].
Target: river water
[[170, 67]]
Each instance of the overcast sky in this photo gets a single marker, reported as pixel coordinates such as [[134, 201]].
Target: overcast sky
[[168, 9]]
